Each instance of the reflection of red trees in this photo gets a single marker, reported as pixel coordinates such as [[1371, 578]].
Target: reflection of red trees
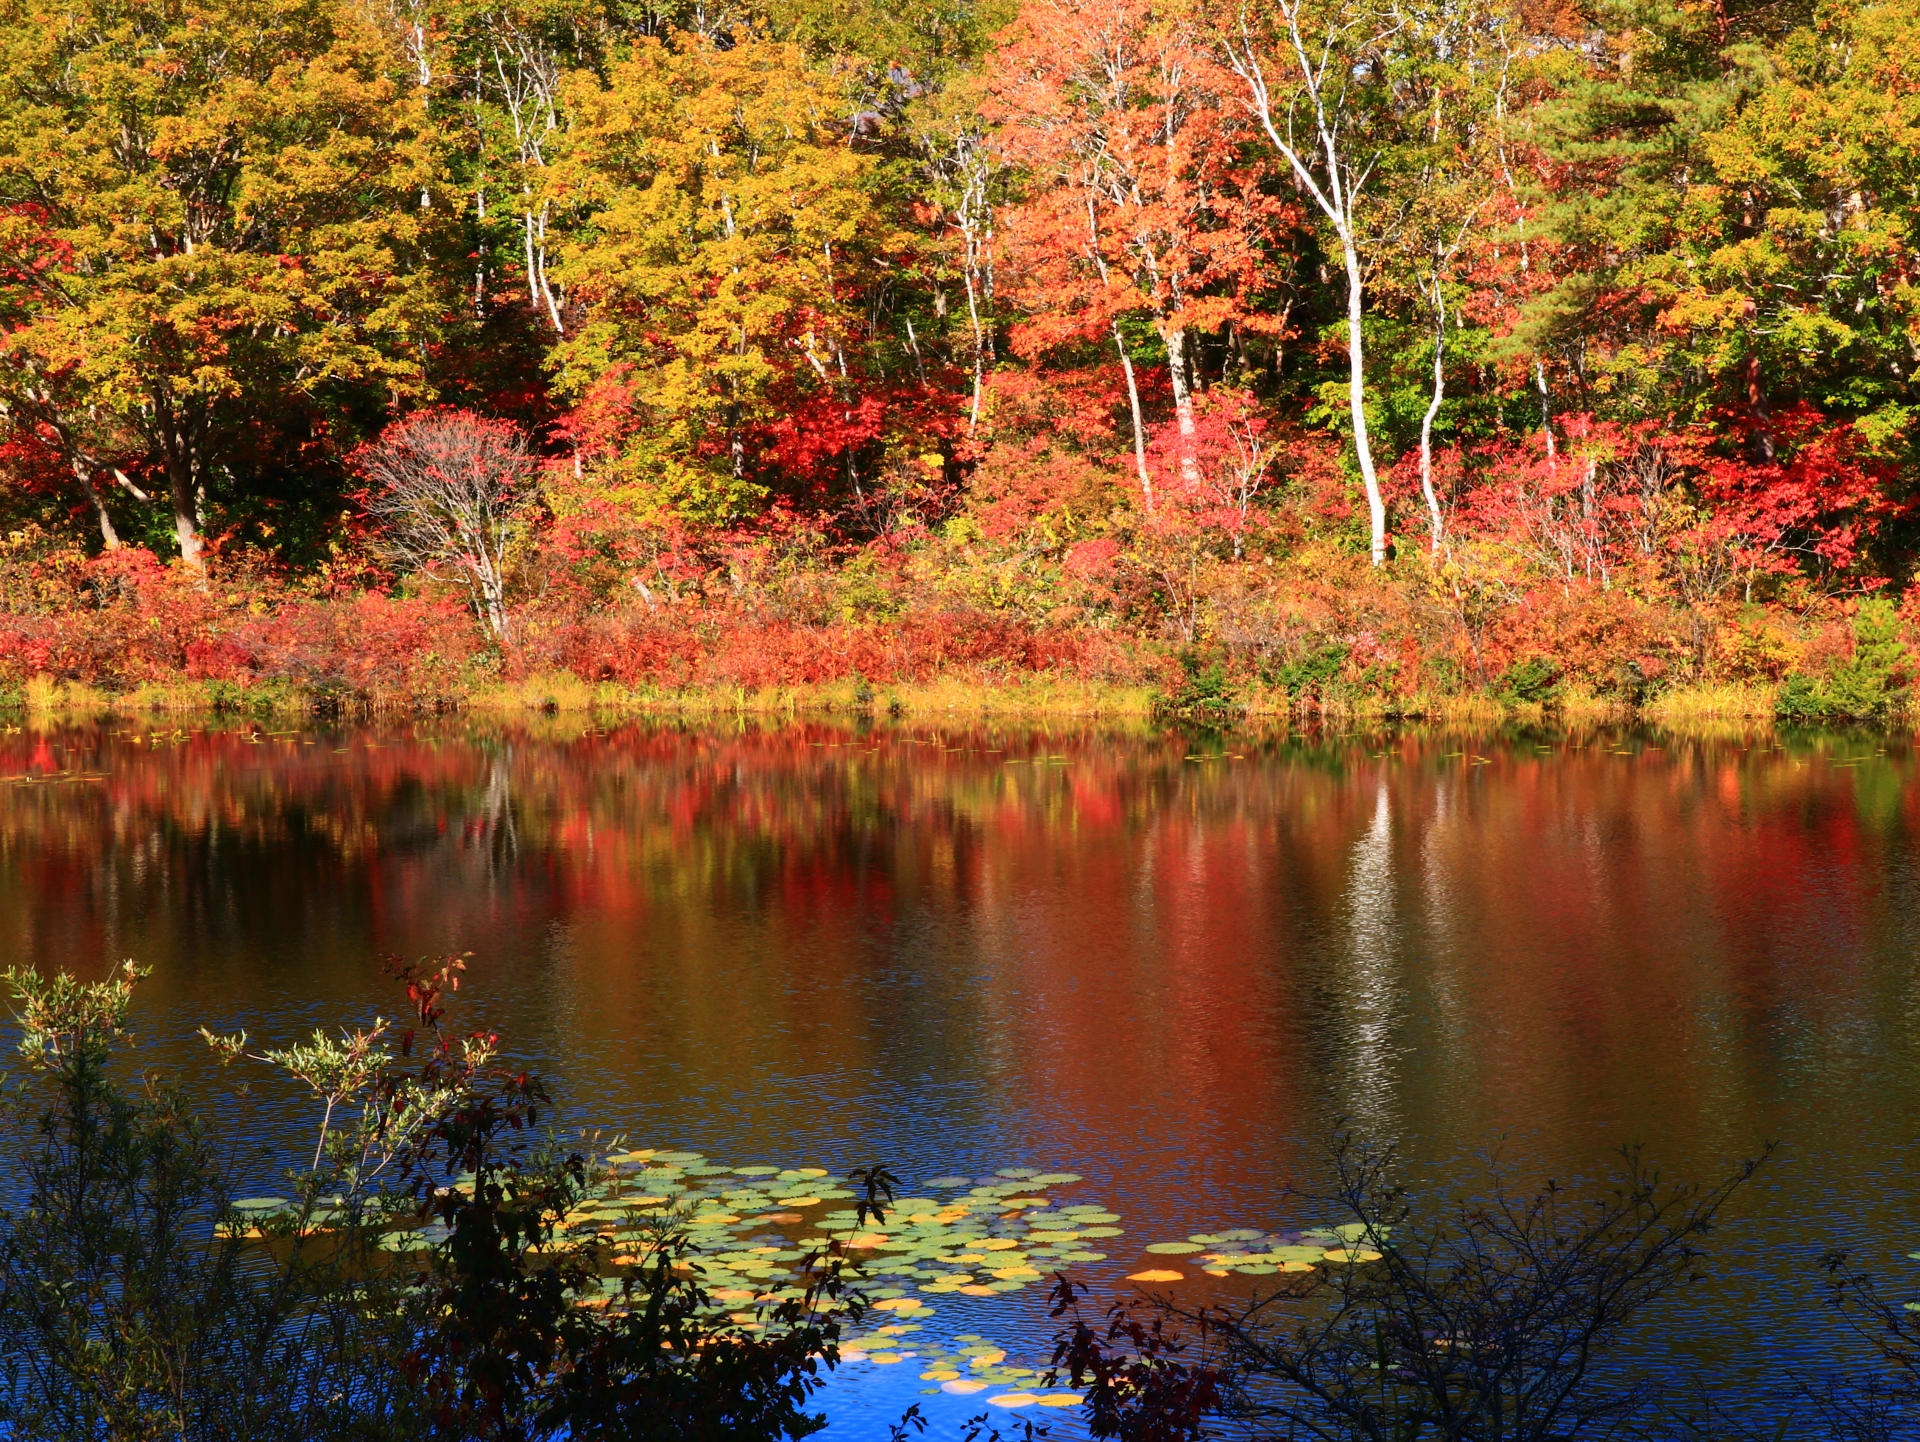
[[1115, 950]]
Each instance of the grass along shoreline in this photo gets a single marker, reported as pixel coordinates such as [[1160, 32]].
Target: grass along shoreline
[[1025, 697]]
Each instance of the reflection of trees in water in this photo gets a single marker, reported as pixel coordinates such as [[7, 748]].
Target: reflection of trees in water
[[1076, 937], [1370, 992], [496, 813], [1443, 927]]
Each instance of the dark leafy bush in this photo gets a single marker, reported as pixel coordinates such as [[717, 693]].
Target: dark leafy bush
[[1313, 674], [1801, 701], [1535, 681], [137, 1301], [1492, 1320], [1871, 685], [1207, 690], [128, 1309]]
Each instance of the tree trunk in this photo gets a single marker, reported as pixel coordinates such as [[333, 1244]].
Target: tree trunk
[[1757, 412], [109, 537], [183, 485], [83, 473], [1357, 403], [1178, 373], [979, 349], [1433, 413], [186, 520], [1139, 426], [1546, 410]]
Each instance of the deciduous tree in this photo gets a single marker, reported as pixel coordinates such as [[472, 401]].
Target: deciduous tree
[[724, 243], [209, 209], [1138, 204]]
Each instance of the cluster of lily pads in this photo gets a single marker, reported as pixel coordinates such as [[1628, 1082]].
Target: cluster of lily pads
[[986, 1235], [966, 1365], [1250, 1253], [749, 1230]]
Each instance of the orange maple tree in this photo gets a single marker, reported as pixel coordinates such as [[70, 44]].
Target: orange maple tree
[[1140, 201]]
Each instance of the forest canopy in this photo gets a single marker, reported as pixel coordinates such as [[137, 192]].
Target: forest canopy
[[1095, 315]]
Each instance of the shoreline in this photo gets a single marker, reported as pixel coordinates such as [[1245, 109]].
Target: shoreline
[[1033, 698]]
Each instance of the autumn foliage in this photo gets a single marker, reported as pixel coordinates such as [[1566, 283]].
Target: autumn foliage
[[881, 344]]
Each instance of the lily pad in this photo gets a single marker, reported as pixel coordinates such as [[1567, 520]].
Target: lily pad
[[1173, 1249], [1156, 1275]]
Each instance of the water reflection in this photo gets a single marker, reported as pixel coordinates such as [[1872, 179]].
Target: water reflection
[[1372, 998], [1150, 958]]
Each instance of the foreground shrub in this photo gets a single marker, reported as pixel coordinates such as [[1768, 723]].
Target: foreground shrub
[[139, 1300], [123, 1311], [1495, 1319]]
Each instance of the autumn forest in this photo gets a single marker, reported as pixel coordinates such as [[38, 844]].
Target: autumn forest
[[1376, 355]]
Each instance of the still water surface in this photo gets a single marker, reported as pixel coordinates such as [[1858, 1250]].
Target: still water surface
[[1158, 960]]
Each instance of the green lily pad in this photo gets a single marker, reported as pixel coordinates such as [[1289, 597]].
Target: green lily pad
[[1173, 1249]]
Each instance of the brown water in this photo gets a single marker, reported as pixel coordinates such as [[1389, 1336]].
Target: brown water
[[1155, 959]]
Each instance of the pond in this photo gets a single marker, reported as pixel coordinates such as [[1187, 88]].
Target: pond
[[1166, 962]]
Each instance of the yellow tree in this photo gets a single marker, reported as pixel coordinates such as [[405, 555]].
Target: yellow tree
[[210, 211], [724, 243]]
